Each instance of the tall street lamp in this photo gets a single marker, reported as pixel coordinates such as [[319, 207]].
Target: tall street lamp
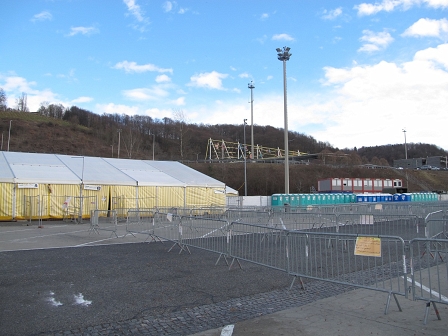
[[251, 86], [9, 133], [119, 136], [405, 145], [284, 55], [81, 203], [153, 142], [245, 174]]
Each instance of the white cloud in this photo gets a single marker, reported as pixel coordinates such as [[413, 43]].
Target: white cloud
[[83, 30], [375, 41], [390, 5], [131, 67], [112, 108], [179, 101], [14, 86], [163, 79], [167, 6], [244, 75], [42, 16], [211, 80], [282, 37], [428, 27], [332, 14], [134, 9], [143, 94], [264, 16], [369, 103], [139, 15], [82, 100]]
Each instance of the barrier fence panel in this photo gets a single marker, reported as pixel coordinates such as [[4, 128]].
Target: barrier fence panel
[[207, 212], [429, 272], [205, 233], [166, 226], [33, 208], [405, 226], [435, 225], [248, 216], [315, 222], [371, 262], [103, 220], [140, 221], [259, 244]]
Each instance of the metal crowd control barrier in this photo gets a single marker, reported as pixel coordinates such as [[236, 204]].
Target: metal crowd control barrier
[[435, 225], [371, 262], [258, 244], [103, 220], [405, 226], [141, 221], [166, 227], [316, 222], [429, 272], [205, 233]]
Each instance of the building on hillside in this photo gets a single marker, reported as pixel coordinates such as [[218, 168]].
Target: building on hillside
[[433, 161], [52, 186], [357, 185]]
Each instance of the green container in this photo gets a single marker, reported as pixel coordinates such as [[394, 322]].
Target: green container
[[338, 198], [332, 199], [276, 200], [286, 199], [294, 200], [347, 198]]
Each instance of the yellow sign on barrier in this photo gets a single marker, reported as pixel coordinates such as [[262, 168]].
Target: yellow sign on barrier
[[368, 246]]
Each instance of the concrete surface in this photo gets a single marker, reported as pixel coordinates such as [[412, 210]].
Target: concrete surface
[[315, 311]]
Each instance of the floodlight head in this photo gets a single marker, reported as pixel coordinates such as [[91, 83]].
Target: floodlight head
[[287, 49], [278, 50]]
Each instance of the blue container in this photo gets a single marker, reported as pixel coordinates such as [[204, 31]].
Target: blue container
[[360, 198], [397, 198], [407, 197]]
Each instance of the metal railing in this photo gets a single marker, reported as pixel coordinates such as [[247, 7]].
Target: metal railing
[[429, 272], [103, 220]]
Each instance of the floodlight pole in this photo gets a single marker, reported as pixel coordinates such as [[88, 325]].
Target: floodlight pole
[[81, 202], [284, 55], [405, 145], [9, 133], [251, 87], [119, 136], [153, 142], [245, 173]]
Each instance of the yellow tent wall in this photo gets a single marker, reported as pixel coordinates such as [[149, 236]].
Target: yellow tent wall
[[204, 197], [170, 197], [6, 197], [147, 197]]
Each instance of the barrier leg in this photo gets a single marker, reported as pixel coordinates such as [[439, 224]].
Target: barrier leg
[[428, 305]]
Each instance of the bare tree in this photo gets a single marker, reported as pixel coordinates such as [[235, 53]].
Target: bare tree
[[2, 100], [180, 119], [21, 103]]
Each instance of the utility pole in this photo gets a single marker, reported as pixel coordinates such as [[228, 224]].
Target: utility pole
[[245, 148], [251, 87], [119, 136]]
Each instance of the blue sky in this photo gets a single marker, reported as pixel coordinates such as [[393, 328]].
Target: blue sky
[[360, 72]]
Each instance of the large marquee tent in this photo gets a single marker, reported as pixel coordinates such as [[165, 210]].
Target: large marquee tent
[[52, 186]]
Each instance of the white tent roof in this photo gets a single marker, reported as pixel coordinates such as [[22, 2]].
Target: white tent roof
[[16, 167]]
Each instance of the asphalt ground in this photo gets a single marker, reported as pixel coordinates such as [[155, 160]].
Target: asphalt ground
[[64, 279]]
